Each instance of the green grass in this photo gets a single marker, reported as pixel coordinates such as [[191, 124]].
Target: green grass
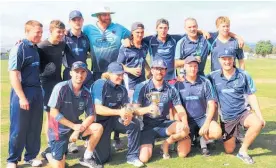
[[263, 149]]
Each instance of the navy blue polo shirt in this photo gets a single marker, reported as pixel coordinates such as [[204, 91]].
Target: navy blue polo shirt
[[24, 57], [134, 57], [217, 46], [195, 96], [169, 95], [231, 92], [76, 49], [106, 93], [186, 47], [164, 50], [69, 105]]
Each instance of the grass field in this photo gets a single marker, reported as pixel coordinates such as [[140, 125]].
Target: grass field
[[263, 150]]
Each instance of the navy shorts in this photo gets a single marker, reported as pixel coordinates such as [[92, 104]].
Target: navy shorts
[[195, 125], [59, 147], [149, 134]]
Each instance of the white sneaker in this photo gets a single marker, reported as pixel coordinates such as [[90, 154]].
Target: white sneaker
[[135, 162], [73, 148], [33, 163], [11, 165]]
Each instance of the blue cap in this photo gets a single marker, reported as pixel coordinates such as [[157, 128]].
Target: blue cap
[[159, 63], [226, 53], [79, 64], [190, 59], [75, 14], [115, 68]]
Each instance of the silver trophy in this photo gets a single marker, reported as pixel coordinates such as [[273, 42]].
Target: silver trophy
[[128, 109], [154, 97]]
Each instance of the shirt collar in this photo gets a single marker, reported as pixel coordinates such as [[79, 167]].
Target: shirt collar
[[197, 81], [152, 87], [71, 34], [167, 38], [112, 84], [71, 87], [27, 42], [235, 75], [190, 41]]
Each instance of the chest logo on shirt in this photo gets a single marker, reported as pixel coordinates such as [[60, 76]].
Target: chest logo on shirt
[[81, 106], [113, 31], [119, 96], [84, 43]]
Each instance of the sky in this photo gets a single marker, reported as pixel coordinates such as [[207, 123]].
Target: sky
[[254, 21]]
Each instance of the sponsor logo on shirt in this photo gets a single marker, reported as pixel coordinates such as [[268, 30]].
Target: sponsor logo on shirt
[[192, 98], [228, 90], [119, 96], [81, 106], [35, 64]]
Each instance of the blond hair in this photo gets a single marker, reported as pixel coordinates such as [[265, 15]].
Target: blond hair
[[222, 19], [32, 23], [105, 75], [57, 24]]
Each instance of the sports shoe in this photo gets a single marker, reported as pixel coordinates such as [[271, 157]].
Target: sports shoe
[[205, 152], [33, 163], [11, 165], [47, 150], [135, 162], [245, 158], [73, 148], [91, 163], [166, 156], [118, 145]]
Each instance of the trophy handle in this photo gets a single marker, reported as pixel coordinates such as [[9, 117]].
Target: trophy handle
[[148, 96]]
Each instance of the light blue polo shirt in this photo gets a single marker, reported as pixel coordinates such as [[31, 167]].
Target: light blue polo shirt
[[105, 45], [231, 92], [195, 96], [186, 47], [133, 57], [164, 50], [216, 46], [24, 57]]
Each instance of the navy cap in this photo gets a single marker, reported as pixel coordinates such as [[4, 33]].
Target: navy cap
[[75, 14], [79, 64], [190, 59], [115, 68], [137, 25], [226, 53], [159, 63]]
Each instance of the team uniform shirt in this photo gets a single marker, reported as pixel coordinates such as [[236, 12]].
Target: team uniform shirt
[[25, 58], [106, 93], [186, 47], [51, 53], [195, 96], [169, 95], [231, 92], [105, 45], [134, 57], [76, 49], [69, 105], [164, 50], [216, 46]]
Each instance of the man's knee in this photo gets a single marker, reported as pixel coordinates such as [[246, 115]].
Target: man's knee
[[96, 128], [145, 153], [184, 147]]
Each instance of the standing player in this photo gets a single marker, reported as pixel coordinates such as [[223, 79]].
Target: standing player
[[161, 126], [51, 52], [134, 59], [197, 93], [68, 101], [109, 97], [26, 106], [231, 84]]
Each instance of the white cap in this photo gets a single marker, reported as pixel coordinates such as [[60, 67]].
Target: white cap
[[102, 10]]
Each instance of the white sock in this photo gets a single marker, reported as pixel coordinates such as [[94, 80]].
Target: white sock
[[88, 154], [203, 143]]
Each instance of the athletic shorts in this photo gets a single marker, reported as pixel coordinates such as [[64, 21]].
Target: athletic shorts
[[231, 128], [149, 134], [59, 147], [195, 126]]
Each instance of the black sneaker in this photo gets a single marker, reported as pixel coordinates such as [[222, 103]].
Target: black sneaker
[[47, 150], [245, 158], [91, 163], [205, 152]]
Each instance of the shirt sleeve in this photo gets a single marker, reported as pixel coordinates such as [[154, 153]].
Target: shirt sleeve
[[177, 37], [56, 97], [125, 33], [209, 91], [175, 98], [15, 58], [138, 94], [89, 107], [146, 40], [97, 92], [239, 51], [125, 97], [250, 87], [122, 56], [178, 49]]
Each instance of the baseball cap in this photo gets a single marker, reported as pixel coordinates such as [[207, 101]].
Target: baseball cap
[[190, 59], [226, 53], [102, 10], [137, 25], [115, 68], [79, 64], [159, 63], [73, 14]]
